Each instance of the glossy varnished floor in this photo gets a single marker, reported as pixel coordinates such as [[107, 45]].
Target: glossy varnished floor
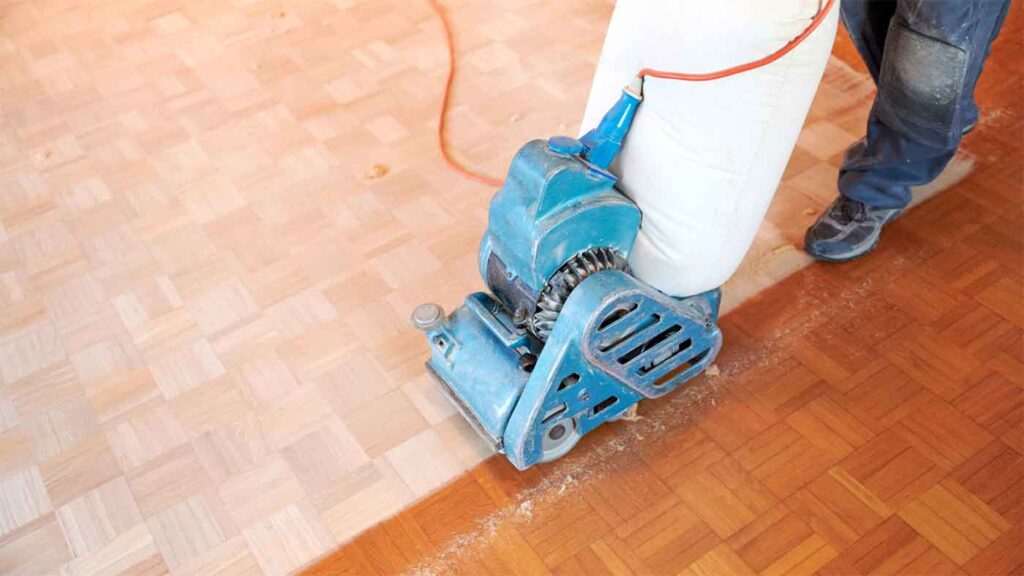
[[868, 419]]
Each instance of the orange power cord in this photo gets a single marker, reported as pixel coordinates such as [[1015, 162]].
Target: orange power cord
[[689, 77], [443, 120]]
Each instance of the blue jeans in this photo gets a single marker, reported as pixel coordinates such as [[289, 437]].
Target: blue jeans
[[925, 57]]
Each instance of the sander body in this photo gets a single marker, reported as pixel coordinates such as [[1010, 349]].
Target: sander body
[[567, 338]]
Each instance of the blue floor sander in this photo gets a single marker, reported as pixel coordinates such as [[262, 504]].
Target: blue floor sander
[[567, 339]]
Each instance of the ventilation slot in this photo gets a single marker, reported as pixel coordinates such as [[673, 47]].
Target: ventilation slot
[[617, 315], [651, 321], [679, 349], [681, 368], [568, 381], [661, 337], [554, 413], [605, 404]]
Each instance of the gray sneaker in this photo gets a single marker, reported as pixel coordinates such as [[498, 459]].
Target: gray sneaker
[[846, 230]]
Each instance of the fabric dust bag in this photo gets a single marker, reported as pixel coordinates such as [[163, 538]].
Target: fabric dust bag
[[703, 159]]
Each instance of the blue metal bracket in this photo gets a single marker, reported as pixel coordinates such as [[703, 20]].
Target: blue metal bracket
[[606, 353]]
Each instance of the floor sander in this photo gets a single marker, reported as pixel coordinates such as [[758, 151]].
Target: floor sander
[[567, 338]]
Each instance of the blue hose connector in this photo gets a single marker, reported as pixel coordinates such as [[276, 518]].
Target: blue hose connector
[[603, 143]]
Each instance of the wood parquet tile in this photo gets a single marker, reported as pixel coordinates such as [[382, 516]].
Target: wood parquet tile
[[868, 419]]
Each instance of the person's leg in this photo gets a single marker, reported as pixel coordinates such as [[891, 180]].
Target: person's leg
[[970, 107], [934, 52], [867, 23], [932, 60]]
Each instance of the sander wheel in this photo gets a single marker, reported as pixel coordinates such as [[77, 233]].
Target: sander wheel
[[559, 438]]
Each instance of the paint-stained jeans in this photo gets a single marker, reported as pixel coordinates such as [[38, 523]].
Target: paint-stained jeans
[[925, 56]]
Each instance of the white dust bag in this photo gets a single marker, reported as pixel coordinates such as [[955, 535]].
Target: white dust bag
[[703, 159]]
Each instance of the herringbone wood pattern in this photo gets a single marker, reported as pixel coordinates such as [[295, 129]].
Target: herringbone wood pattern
[[868, 419]]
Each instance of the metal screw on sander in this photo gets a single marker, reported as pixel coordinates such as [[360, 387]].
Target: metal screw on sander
[[527, 362], [519, 317], [427, 317]]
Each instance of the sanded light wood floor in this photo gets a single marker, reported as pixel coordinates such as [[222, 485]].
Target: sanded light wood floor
[[868, 419]]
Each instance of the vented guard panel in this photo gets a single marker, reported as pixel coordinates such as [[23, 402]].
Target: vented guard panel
[[653, 342], [616, 342]]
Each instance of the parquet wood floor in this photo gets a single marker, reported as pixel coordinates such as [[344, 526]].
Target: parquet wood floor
[[215, 217], [868, 419]]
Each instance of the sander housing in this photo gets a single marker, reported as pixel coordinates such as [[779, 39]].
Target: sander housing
[[567, 339]]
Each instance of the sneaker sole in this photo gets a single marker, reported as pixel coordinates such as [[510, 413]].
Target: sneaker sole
[[848, 256]]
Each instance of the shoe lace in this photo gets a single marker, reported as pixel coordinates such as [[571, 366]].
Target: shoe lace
[[850, 211]]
